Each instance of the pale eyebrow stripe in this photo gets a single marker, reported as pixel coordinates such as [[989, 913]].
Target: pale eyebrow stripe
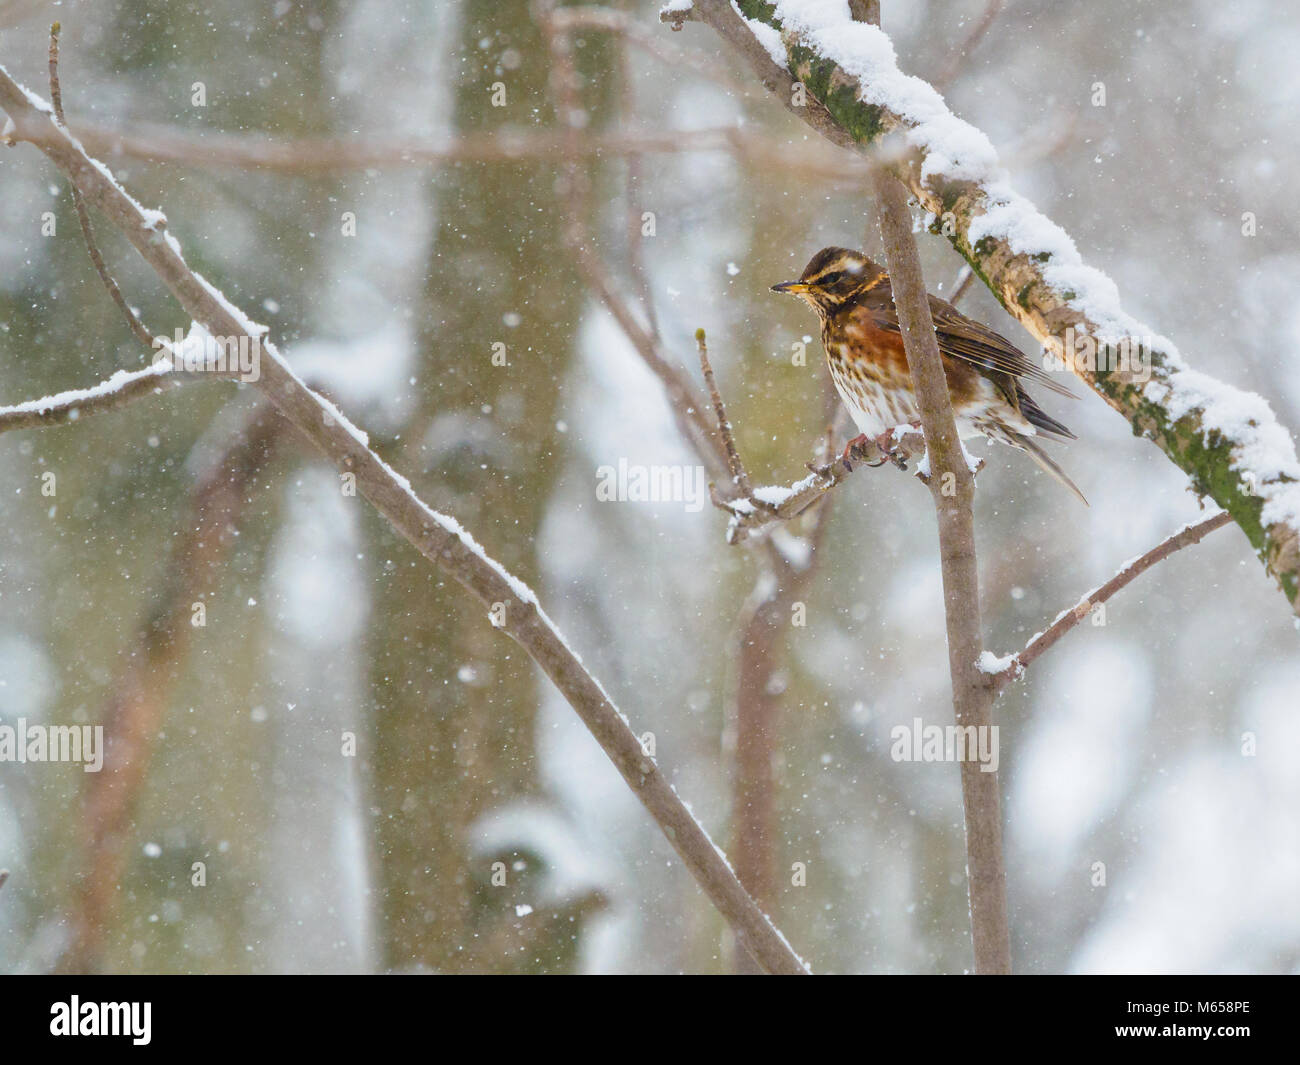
[[838, 267], [834, 268]]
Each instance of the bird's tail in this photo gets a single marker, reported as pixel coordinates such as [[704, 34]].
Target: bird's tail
[[1027, 444]]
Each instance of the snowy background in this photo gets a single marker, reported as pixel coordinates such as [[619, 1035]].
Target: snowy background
[[1123, 745]]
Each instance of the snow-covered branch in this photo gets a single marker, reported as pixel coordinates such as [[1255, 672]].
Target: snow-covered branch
[[1228, 441], [512, 606], [769, 505], [117, 391]]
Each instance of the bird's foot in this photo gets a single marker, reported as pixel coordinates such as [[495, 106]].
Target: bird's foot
[[887, 442], [854, 449]]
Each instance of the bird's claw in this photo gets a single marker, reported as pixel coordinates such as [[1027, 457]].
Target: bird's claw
[[887, 444], [854, 450]]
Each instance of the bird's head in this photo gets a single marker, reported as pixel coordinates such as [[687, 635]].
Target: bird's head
[[834, 277]]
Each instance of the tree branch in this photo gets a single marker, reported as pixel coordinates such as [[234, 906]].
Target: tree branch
[[1013, 668], [738, 475], [690, 417], [952, 486], [310, 156], [83, 215], [785, 575], [438, 537], [754, 513], [122, 388], [962, 52]]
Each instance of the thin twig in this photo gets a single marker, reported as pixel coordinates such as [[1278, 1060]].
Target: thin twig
[[785, 572], [962, 286], [738, 474], [756, 707], [632, 187], [728, 24], [309, 156], [632, 30], [83, 214], [1185, 537], [687, 411], [118, 391], [759, 511], [784, 577], [436, 536], [958, 56]]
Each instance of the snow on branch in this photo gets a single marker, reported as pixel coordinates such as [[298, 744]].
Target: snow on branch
[[511, 604], [115, 392], [1226, 440]]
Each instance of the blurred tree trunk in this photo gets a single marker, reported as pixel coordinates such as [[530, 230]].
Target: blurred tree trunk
[[456, 703]]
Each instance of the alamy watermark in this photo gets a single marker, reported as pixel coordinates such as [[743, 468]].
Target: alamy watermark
[[920, 742], [1082, 352], [631, 483], [53, 743], [123, 1019], [200, 352]]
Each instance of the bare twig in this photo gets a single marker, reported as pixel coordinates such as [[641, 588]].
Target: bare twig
[[958, 56], [782, 577], [310, 156], [755, 800], [1068, 619], [633, 31], [632, 234], [756, 707], [737, 468], [438, 537], [688, 413], [785, 575], [731, 27], [764, 622], [83, 215], [962, 286], [763, 508]]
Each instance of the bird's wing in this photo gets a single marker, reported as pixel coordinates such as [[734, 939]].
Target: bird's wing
[[966, 339]]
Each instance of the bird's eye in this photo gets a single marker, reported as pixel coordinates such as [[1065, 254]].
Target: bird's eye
[[832, 279]]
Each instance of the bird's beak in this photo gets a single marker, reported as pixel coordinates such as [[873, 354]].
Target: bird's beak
[[794, 288]]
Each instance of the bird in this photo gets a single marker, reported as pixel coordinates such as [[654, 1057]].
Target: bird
[[985, 372]]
